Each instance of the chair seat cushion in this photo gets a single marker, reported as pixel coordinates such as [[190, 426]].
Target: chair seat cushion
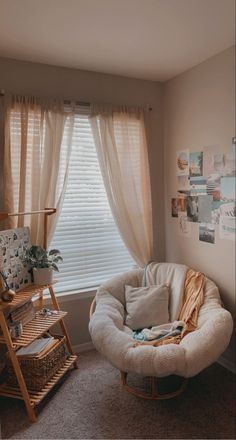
[[146, 306]]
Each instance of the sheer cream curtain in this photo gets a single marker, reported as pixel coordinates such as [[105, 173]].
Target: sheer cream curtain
[[120, 139], [36, 159]]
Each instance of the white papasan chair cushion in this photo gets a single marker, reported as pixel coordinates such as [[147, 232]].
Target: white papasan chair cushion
[[196, 351]]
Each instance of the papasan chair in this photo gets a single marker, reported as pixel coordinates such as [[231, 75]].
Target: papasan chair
[[189, 303]]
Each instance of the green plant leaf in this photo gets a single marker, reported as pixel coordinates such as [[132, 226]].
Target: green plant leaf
[[38, 257], [54, 266], [54, 252]]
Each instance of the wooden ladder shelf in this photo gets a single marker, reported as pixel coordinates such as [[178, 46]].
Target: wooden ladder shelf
[[31, 331]]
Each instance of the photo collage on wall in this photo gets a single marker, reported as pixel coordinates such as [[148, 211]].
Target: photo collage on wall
[[206, 192], [13, 244]]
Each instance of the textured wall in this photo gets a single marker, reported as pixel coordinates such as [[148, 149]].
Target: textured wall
[[200, 110]]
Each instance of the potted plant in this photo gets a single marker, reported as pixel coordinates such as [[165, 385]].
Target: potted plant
[[42, 263]]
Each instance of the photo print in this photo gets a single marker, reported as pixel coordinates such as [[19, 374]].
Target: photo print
[[182, 203], [205, 208], [198, 185], [228, 189], [184, 225], [183, 184], [207, 232], [174, 207], [208, 159], [219, 163], [228, 209], [196, 164], [215, 213], [227, 228], [182, 163], [213, 184], [227, 221], [13, 244], [233, 146], [230, 164], [192, 208]]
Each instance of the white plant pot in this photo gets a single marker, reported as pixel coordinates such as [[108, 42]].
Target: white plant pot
[[43, 275]]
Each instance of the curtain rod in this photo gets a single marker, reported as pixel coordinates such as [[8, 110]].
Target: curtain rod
[[82, 103], [2, 93]]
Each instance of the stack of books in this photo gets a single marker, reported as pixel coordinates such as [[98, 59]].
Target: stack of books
[[37, 348], [24, 313]]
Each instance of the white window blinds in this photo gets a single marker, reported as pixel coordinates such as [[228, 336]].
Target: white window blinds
[[86, 233]]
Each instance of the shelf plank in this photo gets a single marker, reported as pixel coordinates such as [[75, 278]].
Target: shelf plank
[[36, 396], [35, 328], [23, 296]]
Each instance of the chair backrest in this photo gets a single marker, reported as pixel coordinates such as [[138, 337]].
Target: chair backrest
[[172, 274]]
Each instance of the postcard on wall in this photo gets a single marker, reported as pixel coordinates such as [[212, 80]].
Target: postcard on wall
[[192, 208], [230, 164], [182, 203], [196, 164], [182, 163], [208, 159], [227, 192], [174, 207], [219, 163], [213, 184], [198, 185], [215, 214], [227, 227], [228, 209], [233, 145], [183, 184], [205, 208], [207, 232], [13, 244], [184, 226]]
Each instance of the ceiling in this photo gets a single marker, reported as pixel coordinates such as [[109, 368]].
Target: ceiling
[[147, 39]]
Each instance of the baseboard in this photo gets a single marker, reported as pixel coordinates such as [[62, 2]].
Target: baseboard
[[227, 364], [80, 348]]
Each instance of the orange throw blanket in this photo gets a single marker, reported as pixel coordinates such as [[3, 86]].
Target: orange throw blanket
[[192, 301]]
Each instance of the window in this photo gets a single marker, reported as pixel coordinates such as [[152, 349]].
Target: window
[[86, 233]]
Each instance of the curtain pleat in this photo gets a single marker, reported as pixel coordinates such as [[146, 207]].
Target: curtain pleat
[[120, 139], [37, 177]]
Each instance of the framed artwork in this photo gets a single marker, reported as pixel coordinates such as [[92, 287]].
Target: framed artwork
[[13, 244]]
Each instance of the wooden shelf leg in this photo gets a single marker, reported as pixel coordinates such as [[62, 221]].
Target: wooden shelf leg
[[29, 405], [153, 386], [123, 377], [62, 324]]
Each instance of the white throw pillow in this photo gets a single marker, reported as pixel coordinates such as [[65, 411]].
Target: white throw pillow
[[146, 306]]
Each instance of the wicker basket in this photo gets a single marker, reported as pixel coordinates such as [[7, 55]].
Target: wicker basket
[[38, 370]]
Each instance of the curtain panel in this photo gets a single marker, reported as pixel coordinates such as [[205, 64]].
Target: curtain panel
[[35, 167], [120, 139]]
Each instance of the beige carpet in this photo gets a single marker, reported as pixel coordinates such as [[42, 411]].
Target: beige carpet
[[91, 404]]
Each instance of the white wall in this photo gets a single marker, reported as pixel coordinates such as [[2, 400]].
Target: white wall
[[200, 110]]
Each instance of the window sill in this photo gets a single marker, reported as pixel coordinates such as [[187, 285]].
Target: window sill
[[72, 295]]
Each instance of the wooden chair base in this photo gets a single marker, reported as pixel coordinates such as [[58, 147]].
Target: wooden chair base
[[154, 395]]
